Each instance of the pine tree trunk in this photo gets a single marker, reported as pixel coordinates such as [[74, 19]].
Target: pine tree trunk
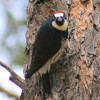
[[73, 77]]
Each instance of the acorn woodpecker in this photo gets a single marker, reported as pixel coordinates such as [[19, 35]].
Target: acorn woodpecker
[[48, 47]]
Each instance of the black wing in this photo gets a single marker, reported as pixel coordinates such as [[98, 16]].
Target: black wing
[[47, 43]]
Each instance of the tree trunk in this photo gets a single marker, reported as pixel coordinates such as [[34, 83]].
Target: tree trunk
[[76, 76]]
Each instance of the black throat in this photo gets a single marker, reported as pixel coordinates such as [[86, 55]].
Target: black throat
[[59, 22]]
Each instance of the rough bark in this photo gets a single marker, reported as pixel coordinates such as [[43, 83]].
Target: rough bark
[[76, 77]]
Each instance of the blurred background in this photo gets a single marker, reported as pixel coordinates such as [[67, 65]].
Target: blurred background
[[12, 44]]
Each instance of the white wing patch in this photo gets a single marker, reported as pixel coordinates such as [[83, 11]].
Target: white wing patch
[[58, 15]]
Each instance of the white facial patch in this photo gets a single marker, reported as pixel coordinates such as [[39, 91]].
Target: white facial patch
[[58, 15]]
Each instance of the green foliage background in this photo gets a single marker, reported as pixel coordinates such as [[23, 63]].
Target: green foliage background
[[13, 28]]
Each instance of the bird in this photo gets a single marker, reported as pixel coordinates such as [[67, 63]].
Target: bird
[[48, 47]]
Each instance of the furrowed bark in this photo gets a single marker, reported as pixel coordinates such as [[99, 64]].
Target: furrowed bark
[[75, 77]]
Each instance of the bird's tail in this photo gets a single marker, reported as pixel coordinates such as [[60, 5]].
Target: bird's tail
[[46, 83]]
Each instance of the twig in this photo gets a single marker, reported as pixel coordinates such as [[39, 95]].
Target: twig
[[14, 77], [10, 94], [17, 81]]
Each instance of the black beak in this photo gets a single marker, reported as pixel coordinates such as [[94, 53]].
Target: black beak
[[60, 21]]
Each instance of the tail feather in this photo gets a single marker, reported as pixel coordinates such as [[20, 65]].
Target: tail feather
[[46, 83]]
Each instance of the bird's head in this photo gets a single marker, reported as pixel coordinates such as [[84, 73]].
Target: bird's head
[[60, 22], [59, 17]]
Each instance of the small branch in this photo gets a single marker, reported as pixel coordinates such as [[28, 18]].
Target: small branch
[[14, 77], [10, 94], [17, 81]]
